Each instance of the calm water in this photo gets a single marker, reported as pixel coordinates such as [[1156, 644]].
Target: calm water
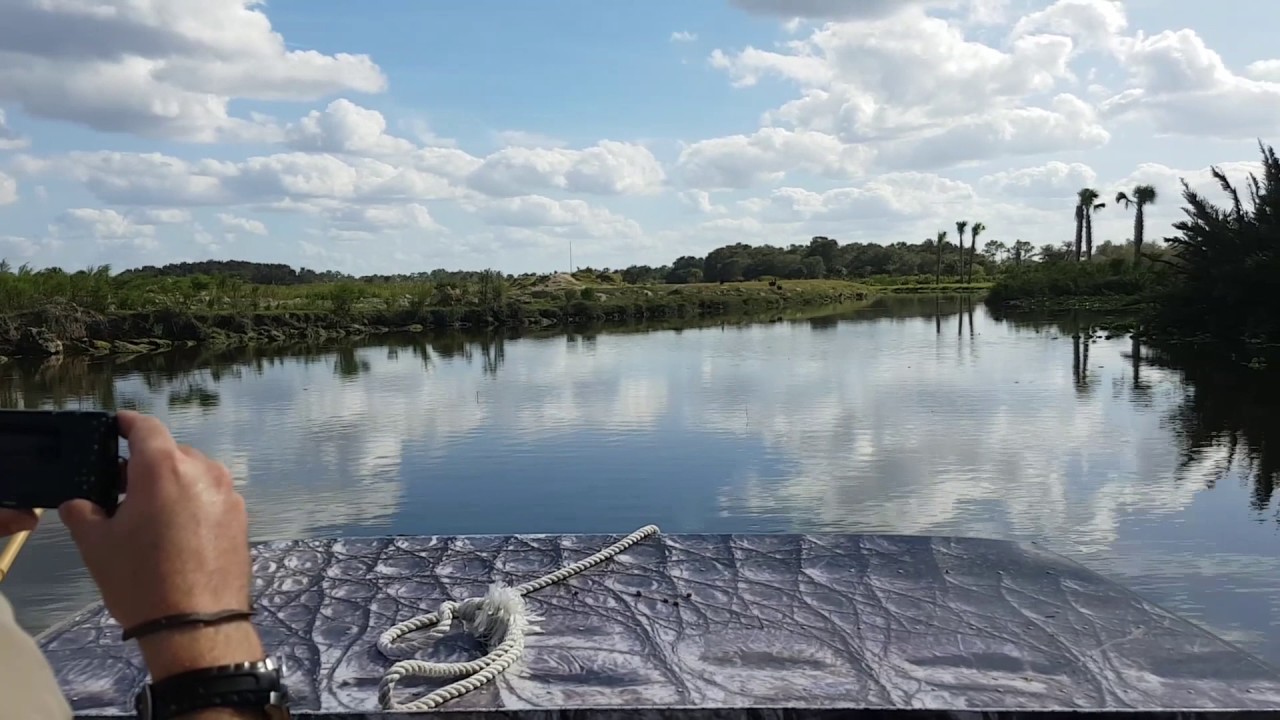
[[908, 416]]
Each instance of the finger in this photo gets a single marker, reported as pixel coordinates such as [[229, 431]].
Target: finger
[[145, 434], [16, 521], [192, 453], [82, 518]]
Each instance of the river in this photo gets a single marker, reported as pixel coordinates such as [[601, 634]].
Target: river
[[908, 415]]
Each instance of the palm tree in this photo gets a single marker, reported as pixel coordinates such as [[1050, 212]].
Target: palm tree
[[940, 241], [960, 228], [1087, 201], [1088, 230], [1087, 206], [1143, 195], [977, 230]]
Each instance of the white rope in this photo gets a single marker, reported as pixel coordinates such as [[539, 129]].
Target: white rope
[[501, 616]]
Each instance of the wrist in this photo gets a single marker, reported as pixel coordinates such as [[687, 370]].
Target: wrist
[[181, 649]]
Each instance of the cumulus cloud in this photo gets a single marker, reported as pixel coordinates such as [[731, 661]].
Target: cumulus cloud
[[568, 217], [156, 179], [1094, 24], [700, 200], [344, 127], [1182, 87], [9, 138], [162, 68], [242, 224], [105, 225], [16, 246], [903, 194], [8, 190], [740, 161], [1268, 70], [1051, 180], [900, 89], [374, 218], [607, 168], [683, 36]]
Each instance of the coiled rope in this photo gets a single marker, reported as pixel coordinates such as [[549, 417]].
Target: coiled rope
[[500, 616]]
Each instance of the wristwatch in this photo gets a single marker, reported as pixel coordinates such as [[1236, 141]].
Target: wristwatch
[[250, 685]]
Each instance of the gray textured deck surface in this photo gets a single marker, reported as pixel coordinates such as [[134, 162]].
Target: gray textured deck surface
[[784, 625]]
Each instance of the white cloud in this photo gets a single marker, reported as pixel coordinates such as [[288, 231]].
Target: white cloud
[[9, 138], [242, 224], [1182, 87], [1267, 70], [162, 68], [383, 217], [904, 194], [344, 127], [903, 90], [160, 216], [1051, 180], [740, 161], [700, 200], [155, 179], [8, 190], [1095, 24], [683, 36], [422, 131], [607, 168], [105, 225], [567, 217], [15, 246]]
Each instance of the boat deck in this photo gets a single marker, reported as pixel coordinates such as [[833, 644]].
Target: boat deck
[[710, 626]]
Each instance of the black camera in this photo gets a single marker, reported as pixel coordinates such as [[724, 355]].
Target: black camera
[[48, 457]]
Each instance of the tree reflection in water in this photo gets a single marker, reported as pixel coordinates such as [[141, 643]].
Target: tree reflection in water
[[1229, 408], [1225, 418]]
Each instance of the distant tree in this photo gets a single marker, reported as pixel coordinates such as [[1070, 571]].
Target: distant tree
[[825, 248], [684, 276], [1143, 195], [978, 229], [1087, 205], [961, 225], [995, 250], [814, 267], [1022, 252], [731, 270], [939, 242]]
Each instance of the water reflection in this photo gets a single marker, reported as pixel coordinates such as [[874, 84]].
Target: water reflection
[[874, 419]]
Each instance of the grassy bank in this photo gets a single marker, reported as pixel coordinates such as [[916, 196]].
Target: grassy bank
[[101, 315]]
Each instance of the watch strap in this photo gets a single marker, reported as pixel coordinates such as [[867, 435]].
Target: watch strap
[[242, 685]]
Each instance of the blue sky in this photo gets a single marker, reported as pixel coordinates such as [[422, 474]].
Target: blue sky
[[494, 134]]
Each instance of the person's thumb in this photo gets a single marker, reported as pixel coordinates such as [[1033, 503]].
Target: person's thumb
[[82, 518]]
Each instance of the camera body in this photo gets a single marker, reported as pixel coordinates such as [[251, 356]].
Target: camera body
[[48, 457]]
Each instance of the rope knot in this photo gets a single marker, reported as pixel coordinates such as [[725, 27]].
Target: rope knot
[[500, 619]]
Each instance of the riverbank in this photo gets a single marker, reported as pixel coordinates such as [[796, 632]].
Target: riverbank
[[59, 327]]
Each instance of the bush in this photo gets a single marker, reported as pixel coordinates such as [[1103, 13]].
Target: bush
[[1056, 280]]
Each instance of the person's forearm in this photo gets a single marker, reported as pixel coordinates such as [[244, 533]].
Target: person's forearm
[[182, 649]]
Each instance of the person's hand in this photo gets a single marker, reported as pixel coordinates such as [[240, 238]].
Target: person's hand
[[13, 522], [177, 544]]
